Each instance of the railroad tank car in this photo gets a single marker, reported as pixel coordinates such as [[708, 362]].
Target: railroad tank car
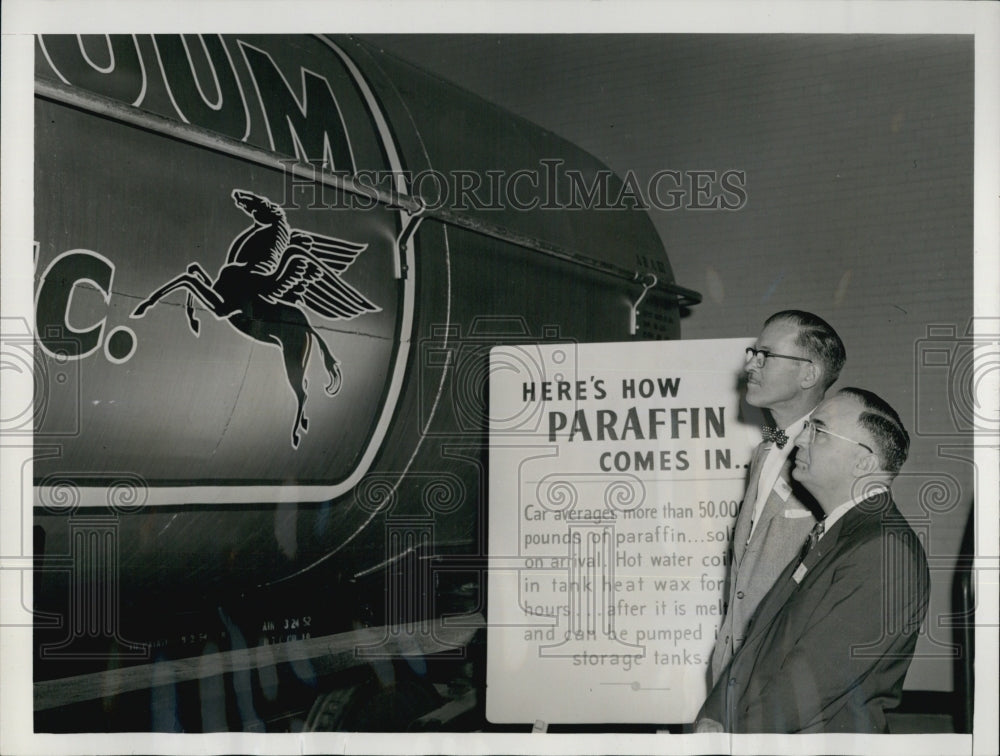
[[269, 271]]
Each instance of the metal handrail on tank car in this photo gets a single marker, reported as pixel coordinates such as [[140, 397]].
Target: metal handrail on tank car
[[413, 205], [327, 654]]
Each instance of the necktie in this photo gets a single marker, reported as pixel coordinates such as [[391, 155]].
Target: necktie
[[813, 539], [777, 435]]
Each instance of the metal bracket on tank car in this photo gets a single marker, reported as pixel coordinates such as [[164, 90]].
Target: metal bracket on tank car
[[634, 307], [413, 215]]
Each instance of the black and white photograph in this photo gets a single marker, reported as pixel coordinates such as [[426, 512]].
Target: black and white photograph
[[499, 377]]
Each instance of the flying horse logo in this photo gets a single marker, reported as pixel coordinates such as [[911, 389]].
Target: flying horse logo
[[271, 272]]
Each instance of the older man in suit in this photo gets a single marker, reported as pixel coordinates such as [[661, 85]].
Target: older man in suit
[[830, 644], [798, 356]]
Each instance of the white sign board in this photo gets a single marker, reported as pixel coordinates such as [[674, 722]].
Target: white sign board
[[616, 471]]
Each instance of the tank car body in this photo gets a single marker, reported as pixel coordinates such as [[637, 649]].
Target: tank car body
[[269, 271]]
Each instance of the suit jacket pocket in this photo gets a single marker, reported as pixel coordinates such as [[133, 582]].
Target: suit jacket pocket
[[794, 513]]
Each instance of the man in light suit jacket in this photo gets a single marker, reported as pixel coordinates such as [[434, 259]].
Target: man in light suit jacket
[[798, 356], [830, 644]]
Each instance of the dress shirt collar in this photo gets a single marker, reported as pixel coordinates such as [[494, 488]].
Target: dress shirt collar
[[847, 506]]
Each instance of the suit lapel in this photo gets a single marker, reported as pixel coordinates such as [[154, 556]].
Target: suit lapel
[[774, 503], [783, 587], [786, 584], [742, 532]]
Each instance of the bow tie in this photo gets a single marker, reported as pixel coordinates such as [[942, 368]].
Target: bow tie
[[777, 435]]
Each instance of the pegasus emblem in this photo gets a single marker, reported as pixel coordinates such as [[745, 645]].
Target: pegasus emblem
[[271, 273]]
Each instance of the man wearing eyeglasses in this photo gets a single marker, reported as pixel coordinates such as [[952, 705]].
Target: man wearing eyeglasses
[[798, 356], [830, 644]]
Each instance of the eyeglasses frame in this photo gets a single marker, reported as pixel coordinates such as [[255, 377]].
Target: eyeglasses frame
[[812, 428], [751, 356]]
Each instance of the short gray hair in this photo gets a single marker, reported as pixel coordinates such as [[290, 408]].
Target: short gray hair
[[892, 442]]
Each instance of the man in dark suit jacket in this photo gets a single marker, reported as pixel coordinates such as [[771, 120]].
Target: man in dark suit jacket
[[798, 356], [830, 644]]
